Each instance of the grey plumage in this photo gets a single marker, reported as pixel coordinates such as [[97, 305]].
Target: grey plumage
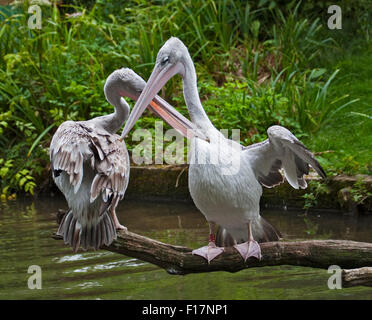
[[86, 154], [282, 150], [91, 167]]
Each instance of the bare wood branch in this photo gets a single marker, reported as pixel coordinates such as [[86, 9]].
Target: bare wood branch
[[312, 253], [357, 277]]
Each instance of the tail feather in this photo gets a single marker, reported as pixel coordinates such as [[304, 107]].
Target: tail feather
[[88, 236], [262, 231], [83, 233], [75, 242], [97, 234], [107, 232], [71, 233], [224, 238], [64, 225], [94, 235], [111, 231], [102, 232], [269, 232]]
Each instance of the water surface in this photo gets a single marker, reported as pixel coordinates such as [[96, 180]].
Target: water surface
[[25, 239]]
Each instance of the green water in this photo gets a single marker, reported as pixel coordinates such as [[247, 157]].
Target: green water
[[25, 239]]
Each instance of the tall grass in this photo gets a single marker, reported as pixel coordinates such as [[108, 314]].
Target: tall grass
[[252, 58]]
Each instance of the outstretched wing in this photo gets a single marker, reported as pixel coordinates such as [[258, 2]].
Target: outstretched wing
[[77, 142], [282, 150]]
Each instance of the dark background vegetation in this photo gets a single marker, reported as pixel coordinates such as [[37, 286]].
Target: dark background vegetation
[[259, 63]]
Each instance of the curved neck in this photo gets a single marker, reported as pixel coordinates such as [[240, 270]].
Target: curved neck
[[191, 95], [114, 121]]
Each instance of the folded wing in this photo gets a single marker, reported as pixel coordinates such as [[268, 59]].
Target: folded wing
[[112, 169], [91, 168]]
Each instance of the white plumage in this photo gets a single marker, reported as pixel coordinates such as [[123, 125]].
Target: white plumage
[[228, 191]]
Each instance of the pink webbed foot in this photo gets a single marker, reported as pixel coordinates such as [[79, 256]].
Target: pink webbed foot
[[120, 227], [209, 252], [249, 249], [117, 224]]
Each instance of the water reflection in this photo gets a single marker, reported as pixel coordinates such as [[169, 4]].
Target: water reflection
[[25, 239]]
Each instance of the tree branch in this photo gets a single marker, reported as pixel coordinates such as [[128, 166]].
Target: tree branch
[[311, 253], [179, 260], [357, 277]]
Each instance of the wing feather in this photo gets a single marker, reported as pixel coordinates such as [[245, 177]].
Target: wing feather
[[112, 172], [77, 142], [282, 151], [66, 153]]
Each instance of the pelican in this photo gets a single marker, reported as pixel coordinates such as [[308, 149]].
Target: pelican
[[91, 166], [228, 196]]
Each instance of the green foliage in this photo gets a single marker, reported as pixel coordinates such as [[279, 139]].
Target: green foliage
[[22, 178], [316, 188], [242, 105], [359, 192], [311, 227], [25, 181], [257, 65]]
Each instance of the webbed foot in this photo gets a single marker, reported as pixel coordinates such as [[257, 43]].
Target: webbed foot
[[209, 252], [249, 249]]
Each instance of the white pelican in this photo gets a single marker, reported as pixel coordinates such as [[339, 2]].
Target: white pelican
[[228, 196], [91, 166]]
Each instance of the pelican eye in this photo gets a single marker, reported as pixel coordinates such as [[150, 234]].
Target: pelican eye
[[164, 61]]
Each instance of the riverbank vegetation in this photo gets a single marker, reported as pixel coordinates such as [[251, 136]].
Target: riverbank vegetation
[[259, 63]]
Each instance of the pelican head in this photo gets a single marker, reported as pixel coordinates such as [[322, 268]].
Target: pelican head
[[173, 58], [123, 82]]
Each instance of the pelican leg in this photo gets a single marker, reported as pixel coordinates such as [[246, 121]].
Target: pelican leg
[[250, 248], [115, 219], [210, 251]]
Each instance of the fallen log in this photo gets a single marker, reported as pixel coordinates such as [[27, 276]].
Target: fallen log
[[311, 253], [357, 277]]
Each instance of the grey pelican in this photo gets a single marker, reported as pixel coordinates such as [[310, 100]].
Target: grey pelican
[[228, 195], [91, 166]]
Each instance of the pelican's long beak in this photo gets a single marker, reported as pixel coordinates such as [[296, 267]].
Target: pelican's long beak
[[165, 111], [176, 120]]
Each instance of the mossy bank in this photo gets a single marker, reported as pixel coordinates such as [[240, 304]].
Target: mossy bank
[[344, 194]]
